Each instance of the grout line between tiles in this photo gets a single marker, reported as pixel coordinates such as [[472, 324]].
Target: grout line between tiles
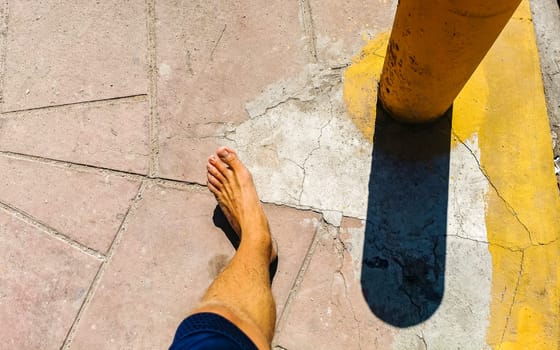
[[309, 29], [179, 184], [80, 104], [152, 94], [78, 166], [101, 271], [300, 275], [135, 176], [28, 219], [4, 11]]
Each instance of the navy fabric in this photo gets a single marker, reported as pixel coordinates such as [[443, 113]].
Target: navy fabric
[[209, 331]]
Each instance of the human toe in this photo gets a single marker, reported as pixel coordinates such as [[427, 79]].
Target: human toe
[[228, 156], [212, 180], [212, 170]]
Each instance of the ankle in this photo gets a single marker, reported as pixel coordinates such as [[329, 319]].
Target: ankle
[[255, 229], [261, 246]]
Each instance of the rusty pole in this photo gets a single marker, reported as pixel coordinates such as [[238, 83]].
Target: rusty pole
[[434, 49]]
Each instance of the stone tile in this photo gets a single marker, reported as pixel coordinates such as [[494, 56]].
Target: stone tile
[[329, 311], [170, 253], [293, 230], [214, 57], [87, 207], [342, 28], [111, 135], [44, 282], [97, 51], [290, 148], [185, 157]]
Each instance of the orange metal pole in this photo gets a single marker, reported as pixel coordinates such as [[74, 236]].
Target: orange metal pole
[[434, 49]]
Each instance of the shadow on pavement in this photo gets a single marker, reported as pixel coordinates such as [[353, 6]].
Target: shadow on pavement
[[403, 264]]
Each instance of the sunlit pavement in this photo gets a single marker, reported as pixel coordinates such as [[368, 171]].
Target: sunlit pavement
[[444, 236]]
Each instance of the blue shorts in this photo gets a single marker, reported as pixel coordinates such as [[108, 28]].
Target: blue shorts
[[209, 331]]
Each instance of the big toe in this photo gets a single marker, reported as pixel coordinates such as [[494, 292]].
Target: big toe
[[228, 156]]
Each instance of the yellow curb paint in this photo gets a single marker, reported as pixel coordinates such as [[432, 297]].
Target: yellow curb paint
[[360, 84], [503, 104], [534, 320], [472, 98]]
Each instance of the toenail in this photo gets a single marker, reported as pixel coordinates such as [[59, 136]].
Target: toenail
[[224, 153]]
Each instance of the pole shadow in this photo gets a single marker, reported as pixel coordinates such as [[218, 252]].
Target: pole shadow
[[403, 264]]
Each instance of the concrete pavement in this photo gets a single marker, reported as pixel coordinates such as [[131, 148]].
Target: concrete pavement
[[438, 237]]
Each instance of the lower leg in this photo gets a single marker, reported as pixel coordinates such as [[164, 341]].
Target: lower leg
[[243, 287], [241, 292]]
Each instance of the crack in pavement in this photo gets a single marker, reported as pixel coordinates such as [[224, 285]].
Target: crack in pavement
[[485, 174], [341, 248], [217, 42], [315, 149], [307, 95], [276, 105], [31, 220], [303, 89], [401, 286], [101, 271], [517, 250], [78, 105], [520, 274], [421, 337]]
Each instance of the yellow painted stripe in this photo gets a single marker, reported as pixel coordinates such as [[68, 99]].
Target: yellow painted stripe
[[360, 84], [504, 104]]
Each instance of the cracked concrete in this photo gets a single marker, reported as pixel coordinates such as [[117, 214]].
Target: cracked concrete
[[508, 319], [467, 282], [299, 142], [338, 276], [509, 207], [467, 265], [467, 270], [421, 337]]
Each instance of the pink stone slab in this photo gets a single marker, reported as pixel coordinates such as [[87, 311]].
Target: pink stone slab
[[43, 284], [113, 135], [60, 52], [293, 231], [342, 28], [169, 254], [86, 206], [329, 310], [213, 57], [185, 158]]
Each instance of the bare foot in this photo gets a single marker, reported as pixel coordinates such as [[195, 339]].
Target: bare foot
[[232, 185]]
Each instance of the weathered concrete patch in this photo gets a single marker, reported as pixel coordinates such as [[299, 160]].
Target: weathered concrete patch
[[302, 148], [468, 188]]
